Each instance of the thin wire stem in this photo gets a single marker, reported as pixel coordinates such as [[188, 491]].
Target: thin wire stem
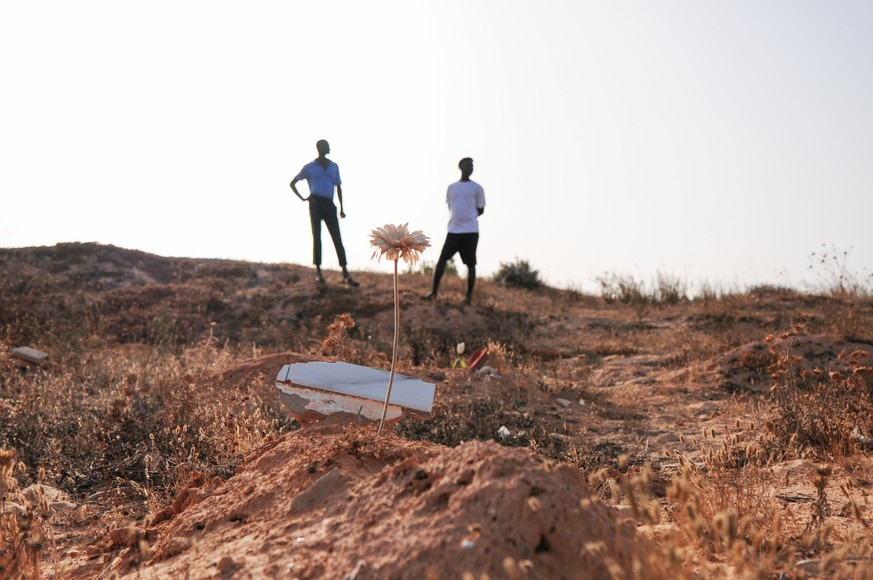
[[394, 352]]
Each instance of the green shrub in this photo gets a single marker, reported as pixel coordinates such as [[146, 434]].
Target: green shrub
[[518, 274]]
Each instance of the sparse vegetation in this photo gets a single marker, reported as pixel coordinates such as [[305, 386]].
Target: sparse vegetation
[[835, 277], [828, 411], [626, 289], [161, 378], [518, 274], [425, 268]]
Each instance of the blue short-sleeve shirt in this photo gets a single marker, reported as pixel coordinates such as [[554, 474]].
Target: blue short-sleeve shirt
[[322, 181]]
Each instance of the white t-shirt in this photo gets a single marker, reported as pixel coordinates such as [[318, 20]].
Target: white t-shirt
[[464, 199]]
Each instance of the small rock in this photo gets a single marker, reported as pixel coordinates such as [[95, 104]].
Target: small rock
[[659, 532], [14, 508], [503, 432], [332, 482], [62, 507], [128, 536], [811, 566], [176, 546], [29, 354], [563, 402], [32, 493], [226, 565], [468, 545], [486, 371]]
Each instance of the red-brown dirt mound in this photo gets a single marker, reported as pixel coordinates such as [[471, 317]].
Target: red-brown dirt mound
[[330, 501], [748, 367]]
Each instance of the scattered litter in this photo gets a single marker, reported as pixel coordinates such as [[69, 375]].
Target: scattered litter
[[487, 371], [29, 354], [563, 402], [459, 362], [477, 358], [468, 545], [503, 432], [857, 436]]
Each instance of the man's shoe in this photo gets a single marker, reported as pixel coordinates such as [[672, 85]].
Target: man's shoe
[[430, 296], [319, 277], [352, 282]]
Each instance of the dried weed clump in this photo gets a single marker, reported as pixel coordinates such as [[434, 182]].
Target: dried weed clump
[[722, 498], [723, 509], [821, 410], [626, 289], [23, 526], [337, 334], [140, 419]]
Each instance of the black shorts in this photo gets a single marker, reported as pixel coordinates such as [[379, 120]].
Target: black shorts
[[465, 244]]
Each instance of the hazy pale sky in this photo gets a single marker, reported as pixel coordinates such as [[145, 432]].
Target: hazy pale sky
[[720, 142]]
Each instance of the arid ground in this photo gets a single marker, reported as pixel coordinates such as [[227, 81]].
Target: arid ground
[[635, 434]]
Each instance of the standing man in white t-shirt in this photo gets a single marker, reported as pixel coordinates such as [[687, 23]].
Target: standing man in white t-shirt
[[466, 200]]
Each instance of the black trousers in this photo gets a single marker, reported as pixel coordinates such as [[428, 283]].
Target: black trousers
[[323, 209]]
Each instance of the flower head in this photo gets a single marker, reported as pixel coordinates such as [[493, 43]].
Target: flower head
[[395, 242]]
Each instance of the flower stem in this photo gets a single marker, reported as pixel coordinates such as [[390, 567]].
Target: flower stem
[[394, 351]]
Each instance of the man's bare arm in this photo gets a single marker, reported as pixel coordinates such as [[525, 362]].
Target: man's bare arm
[[293, 185]]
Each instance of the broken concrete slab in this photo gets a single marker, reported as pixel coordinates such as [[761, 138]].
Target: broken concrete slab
[[29, 354], [317, 389]]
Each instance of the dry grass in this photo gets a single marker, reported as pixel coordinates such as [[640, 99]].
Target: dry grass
[[126, 413], [826, 411], [123, 431]]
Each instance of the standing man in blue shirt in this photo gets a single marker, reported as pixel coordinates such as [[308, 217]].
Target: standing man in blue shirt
[[323, 177]]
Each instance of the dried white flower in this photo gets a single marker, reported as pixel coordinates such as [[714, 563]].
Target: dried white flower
[[395, 242]]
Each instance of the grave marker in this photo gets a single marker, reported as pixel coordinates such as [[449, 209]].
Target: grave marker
[[316, 389]]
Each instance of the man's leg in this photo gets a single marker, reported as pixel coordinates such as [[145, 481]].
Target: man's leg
[[438, 272], [445, 254], [469, 245], [315, 222], [332, 223], [471, 282]]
